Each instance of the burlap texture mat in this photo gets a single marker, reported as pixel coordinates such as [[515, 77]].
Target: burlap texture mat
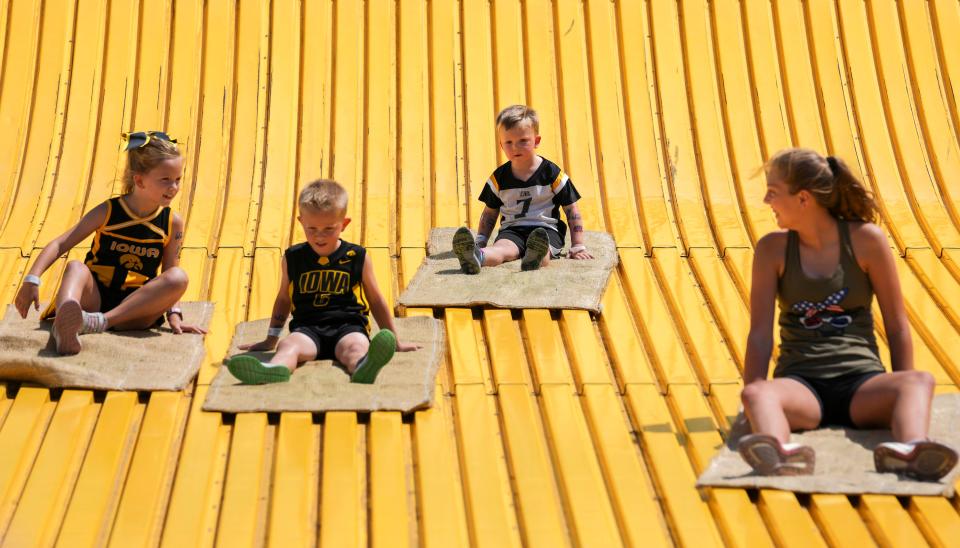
[[844, 460], [404, 384], [154, 359], [565, 283]]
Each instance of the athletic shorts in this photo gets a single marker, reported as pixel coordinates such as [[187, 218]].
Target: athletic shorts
[[110, 299], [835, 395], [326, 337], [519, 235]]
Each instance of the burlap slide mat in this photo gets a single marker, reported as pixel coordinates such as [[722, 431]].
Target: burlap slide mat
[[404, 384], [565, 283], [154, 359], [844, 460]]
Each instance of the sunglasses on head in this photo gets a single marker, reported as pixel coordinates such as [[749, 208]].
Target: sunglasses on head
[[139, 139]]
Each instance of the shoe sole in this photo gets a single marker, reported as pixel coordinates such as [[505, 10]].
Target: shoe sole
[[537, 247], [463, 247], [763, 454], [382, 347], [250, 370], [929, 461], [66, 328]]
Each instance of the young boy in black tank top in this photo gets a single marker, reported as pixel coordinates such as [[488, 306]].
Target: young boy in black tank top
[[330, 287], [824, 270]]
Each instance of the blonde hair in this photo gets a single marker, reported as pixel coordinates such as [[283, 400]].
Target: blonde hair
[[143, 159], [324, 195], [828, 179], [518, 115]]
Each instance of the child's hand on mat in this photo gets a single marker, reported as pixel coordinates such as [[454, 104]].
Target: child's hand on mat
[[580, 254], [266, 344], [29, 293], [408, 347], [180, 328]]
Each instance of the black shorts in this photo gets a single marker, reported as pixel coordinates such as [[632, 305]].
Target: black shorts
[[519, 235], [835, 395], [110, 299], [326, 337]]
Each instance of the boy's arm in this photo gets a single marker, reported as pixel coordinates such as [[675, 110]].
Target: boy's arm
[[278, 318], [575, 220], [379, 307], [488, 220]]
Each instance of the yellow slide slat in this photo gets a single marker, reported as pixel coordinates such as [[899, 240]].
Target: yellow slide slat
[[480, 106], [584, 349], [294, 493], [195, 499], [464, 350], [670, 469], [415, 170], [242, 517], [486, 483], [228, 288], [143, 503], [343, 515], [579, 152], [772, 121], [391, 514], [889, 522], [628, 349], [541, 75], [89, 516], [616, 175], [443, 519], [937, 520], [507, 40], [650, 179], [506, 349], [634, 499], [548, 359], [797, 73], [711, 146], [23, 430], [539, 506], [44, 500]]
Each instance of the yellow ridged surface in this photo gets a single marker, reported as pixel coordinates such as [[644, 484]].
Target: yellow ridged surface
[[548, 428]]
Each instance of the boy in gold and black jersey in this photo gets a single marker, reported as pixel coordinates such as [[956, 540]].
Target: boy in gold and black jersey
[[329, 286]]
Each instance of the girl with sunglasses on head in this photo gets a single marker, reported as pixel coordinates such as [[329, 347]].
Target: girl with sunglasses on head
[[824, 270], [130, 277]]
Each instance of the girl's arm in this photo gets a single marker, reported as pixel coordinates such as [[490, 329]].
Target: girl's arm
[[575, 220], [278, 318], [488, 221], [378, 305], [767, 261], [876, 259], [30, 292], [170, 259]]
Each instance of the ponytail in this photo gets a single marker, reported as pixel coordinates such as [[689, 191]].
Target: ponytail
[[853, 202], [829, 180]]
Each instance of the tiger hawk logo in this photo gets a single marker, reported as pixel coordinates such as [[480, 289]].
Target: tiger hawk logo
[[131, 262]]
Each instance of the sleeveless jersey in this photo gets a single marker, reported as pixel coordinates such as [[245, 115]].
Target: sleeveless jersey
[[327, 290], [127, 250], [826, 325], [534, 202]]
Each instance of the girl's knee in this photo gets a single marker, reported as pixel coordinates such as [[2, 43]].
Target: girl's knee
[[176, 277], [919, 380], [754, 393]]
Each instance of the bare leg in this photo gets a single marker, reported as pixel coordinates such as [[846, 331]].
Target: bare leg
[[900, 401], [78, 285], [779, 406], [142, 308], [351, 349], [293, 350], [500, 252]]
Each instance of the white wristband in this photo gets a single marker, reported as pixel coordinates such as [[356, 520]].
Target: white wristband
[[578, 248], [274, 331], [31, 279]]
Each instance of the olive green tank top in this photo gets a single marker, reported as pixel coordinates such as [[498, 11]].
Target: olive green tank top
[[826, 325]]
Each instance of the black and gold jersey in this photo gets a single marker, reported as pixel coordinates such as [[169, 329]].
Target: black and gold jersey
[[327, 290], [534, 202], [127, 250]]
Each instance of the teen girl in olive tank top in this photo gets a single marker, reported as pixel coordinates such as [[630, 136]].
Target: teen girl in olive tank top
[[824, 271]]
